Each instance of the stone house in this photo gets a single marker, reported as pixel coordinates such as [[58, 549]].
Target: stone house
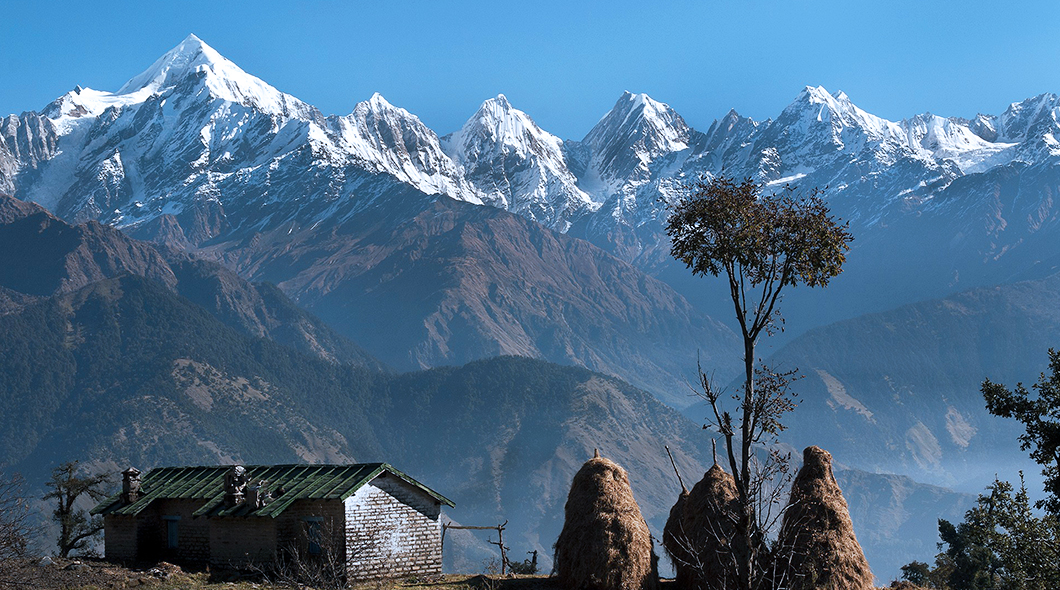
[[373, 518]]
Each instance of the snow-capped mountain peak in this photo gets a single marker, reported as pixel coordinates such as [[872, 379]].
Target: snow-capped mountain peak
[[651, 124], [194, 62], [815, 106], [500, 126], [191, 55], [378, 103], [514, 164], [941, 138], [823, 131], [1029, 117], [635, 140], [500, 101], [223, 78], [393, 140]]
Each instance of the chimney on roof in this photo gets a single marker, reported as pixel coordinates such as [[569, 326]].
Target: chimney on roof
[[130, 485], [258, 494], [235, 485]]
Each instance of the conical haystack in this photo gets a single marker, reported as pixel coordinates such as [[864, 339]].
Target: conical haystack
[[673, 538], [605, 543], [698, 531], [817, 537]]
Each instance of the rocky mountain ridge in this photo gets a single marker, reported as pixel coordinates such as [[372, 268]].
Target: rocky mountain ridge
[[45, 258]]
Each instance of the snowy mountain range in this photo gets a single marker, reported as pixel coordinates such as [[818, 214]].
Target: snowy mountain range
[[199, 154], [194, 125], [196, 137]]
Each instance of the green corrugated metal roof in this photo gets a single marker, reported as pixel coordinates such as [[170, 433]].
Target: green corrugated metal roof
[[298, 482]]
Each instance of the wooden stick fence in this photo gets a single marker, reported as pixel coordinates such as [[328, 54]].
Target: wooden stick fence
[[500, 538]]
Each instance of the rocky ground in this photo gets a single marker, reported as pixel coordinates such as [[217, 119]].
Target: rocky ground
[[63, 574], [55, 572]]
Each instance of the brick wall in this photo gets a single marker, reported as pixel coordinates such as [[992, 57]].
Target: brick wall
[[292, 525], [241, 542], [392, 530], [145, 537], [119, 538], [193, 533]]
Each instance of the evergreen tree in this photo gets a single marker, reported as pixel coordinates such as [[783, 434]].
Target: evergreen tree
[[1001, 545], [1039, 415]]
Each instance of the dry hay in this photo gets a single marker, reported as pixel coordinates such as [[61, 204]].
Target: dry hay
[[605, 543], [699, 529], [817, 535], [673, 539]]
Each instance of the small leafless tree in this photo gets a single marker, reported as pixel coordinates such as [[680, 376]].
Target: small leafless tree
[[316, 558], [716, 554], [717, 568], [15, 527]]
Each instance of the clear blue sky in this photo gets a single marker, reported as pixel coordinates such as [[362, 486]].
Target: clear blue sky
[[566, 62]]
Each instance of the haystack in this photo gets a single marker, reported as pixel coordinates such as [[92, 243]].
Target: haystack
[[817, 535], [673, 538], [698, 531], [605, 543]]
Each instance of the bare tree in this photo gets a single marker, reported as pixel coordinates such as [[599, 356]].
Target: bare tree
[[321, 556], [316, 558], [762, 244], [15, 527], [76, 527]]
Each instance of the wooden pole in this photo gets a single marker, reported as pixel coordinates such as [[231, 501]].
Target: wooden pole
[[681, 481], [500, 542], [500, 538]]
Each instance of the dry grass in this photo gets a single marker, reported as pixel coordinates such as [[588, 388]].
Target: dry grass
[[605, 543], [817, 537]]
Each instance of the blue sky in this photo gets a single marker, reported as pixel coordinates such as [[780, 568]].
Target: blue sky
[[566, 62]]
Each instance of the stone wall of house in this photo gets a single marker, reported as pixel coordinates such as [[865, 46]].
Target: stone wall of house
[[293, 527], [119, 538], [239, 542], [193, 532], [392, 530], [145, 537]]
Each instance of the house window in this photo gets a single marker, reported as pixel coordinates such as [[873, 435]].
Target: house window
[[312, 533], [172, 531]]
